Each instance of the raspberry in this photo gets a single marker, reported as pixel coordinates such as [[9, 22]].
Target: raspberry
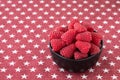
[[61, 29], [57, 44], [89, 28], [79, 28], [96, 38], [94, 49], [71, 24], [55, 35], [68, 51], [69, 36], [83, 46], [86, 36], [78, 55]]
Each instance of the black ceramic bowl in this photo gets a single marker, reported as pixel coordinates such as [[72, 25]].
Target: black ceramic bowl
[[75, 65]]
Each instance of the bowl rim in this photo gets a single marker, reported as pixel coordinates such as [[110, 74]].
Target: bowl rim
[[78, 59]]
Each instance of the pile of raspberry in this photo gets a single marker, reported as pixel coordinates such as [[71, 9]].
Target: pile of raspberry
[[77, 41]]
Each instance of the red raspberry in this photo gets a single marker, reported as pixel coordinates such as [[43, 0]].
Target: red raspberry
[[57, 44], [89, 28], [69, 36], [83, 46], [55, 35], [94, 49], [61, 29], [86, 36], [71, 24], [96, 38], [79, 28], [78, 55], [68, 51]]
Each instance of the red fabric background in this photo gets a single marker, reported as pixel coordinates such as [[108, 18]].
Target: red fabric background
[[24, 29]]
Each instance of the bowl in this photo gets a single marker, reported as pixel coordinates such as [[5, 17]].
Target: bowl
[[75, 65]]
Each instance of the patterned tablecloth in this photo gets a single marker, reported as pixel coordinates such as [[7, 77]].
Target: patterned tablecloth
[[24, 29]]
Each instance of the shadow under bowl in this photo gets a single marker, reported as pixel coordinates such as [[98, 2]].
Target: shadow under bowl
[[75, 65]]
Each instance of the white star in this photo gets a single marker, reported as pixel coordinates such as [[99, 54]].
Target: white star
[[32, 69], [26, 63], [43, 40], [110, 52], [38, 26], [4, 41], [112, 63], [36, 46], [54, 63], [110, 18], [103, 13], [114, 77], [92, 13], [24, 76], [44, 30], [91, 70], [40, 62], [14, 51], [116, 47], [100, 26], [23, 46], [112, 27], [48, 56], [25, 36], [98, 18], [51, 26], [99, 76], [30, 41], [26, 26], [3, 69], [34, 57], [20, 57], [17, 69], [2, 51], [9, 46], [61, 69], [106, 70], [32, 31], [114, 36], [16, 17], [118, 31], [108, 41], [28, 17], [6, 57], [19, 31], [69, 76], [47, 69], [39, 75], [98, 64], [106, 31], [45, 21], [9, 76], [2, 26], [104, 58], [118, 58], [54, 76], [9, 21], [42, 51], [28, 52], [4, 17], [21, 22], [17, 41], [33, 22], [12, 36], [12, 63], [84, 76], [14, 26], [7, 31], [117, 22], [37, 35]]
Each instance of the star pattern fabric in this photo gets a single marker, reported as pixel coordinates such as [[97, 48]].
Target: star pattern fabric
[[24, 30]]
